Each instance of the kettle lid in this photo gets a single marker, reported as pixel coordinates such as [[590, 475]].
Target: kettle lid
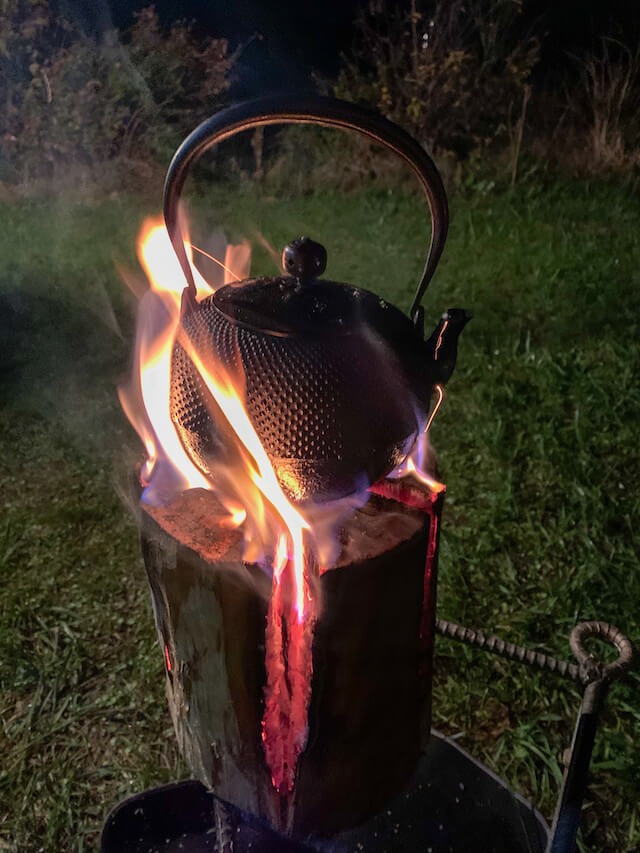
[[302, 304]]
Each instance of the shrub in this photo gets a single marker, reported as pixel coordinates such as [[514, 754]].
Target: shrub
[[453, 72], [74, 101], [610, 99]]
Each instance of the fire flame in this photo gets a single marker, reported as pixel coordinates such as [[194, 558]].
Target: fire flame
[[158, 319], [416, 463]]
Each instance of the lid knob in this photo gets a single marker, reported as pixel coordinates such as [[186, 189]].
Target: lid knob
[[304, 259]]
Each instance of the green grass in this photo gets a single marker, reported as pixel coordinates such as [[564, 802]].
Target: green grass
[[537, 441]]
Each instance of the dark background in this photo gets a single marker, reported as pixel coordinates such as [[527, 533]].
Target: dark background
[[300, 38]]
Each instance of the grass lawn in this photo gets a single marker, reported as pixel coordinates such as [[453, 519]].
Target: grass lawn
[[537, 441]]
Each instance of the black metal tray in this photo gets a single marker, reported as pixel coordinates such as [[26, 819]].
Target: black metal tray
[[453, 804]]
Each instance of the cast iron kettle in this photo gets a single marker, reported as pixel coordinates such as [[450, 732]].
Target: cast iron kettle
[[337, 382]]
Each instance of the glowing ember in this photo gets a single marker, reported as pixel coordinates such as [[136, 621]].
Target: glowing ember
[[284, 724]]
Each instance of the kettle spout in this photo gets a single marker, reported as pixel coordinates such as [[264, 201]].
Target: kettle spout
[[442, 346]]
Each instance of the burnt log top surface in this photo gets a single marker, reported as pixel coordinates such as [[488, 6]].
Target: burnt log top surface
[[197, 520]]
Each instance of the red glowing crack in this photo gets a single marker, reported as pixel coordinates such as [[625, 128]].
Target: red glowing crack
[[289, 667]]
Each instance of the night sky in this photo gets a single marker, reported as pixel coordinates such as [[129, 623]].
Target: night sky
[[299, 36]]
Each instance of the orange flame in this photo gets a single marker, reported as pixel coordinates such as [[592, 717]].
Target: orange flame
[[416, 463], [158, 319]]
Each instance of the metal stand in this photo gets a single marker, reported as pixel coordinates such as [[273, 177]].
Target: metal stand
[[595, 677]]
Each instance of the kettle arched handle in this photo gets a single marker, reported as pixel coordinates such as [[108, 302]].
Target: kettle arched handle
[[300, 109]]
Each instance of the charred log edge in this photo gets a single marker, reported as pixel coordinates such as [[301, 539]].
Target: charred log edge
[[415, 495], [430, 601], [410, 493]]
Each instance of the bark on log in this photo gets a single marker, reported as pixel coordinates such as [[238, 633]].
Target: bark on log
[[370, 702]]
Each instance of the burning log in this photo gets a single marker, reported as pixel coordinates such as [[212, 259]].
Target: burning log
[[369, 677]]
